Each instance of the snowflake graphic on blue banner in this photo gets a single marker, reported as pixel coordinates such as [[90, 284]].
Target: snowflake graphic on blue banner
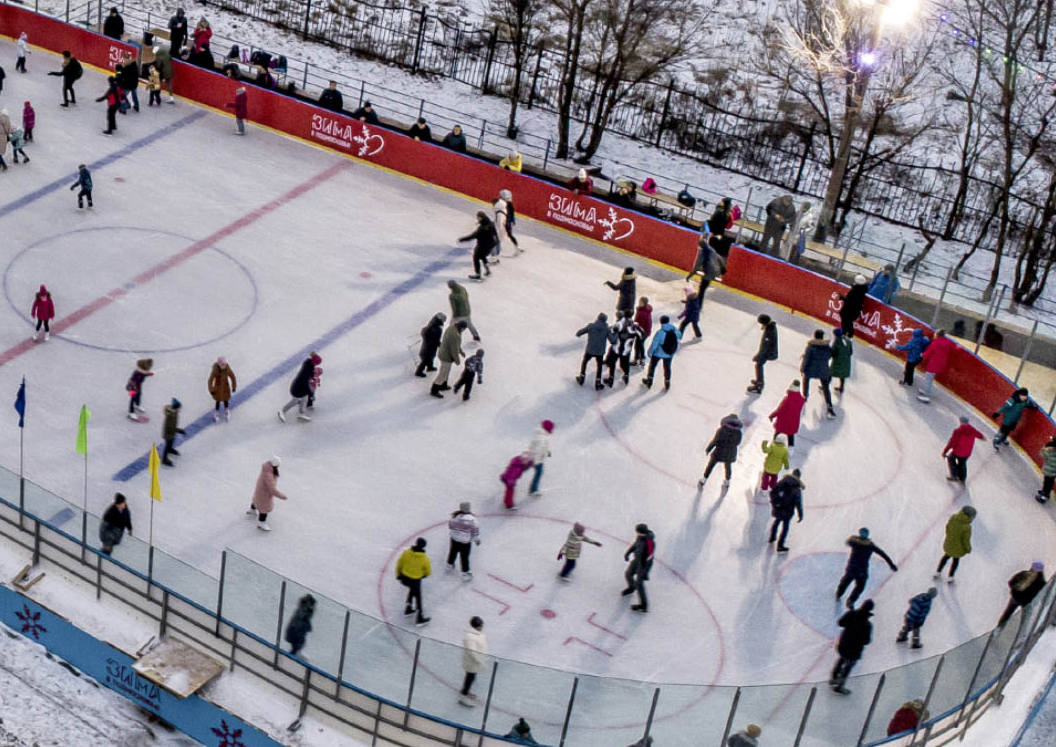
[[30, 622], [228, 738]]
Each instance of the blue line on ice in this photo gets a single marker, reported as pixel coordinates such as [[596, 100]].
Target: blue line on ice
[[294, 361], [117, 155]]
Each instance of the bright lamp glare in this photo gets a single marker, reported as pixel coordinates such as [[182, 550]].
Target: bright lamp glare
[[867, 58], [898, 12]]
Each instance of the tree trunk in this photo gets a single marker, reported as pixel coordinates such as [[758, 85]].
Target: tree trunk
[[573, 46]]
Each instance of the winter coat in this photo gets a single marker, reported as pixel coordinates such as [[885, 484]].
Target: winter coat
[[842, 350], [643, 549], [43, 308], [474, 650], [1025, 585], [119, 518], [919, 607], [692, 311], [464, 528], [962, 440], [5, 129], [201, 39], [862, 550], [459, 300], [420, 132], [1048, 453], [474, 365], [128, 76], [177, 31], [597, 333], [153, 80], [71, 71], [717, 222], [574, 545], [29, 117], [857, 633], [622, 337], [883, 287], [656, 348], [171, 424], [723, 446], [776, 457], [163, 62], [300, 625], [332, 100], [368, 117], [916, 346], [266, 489], [958, 542], [413, 564], [451, 345], [222, 383], [781, 209], [816, 360], [512, 162], [486, 238], [540, 446], [240, 106], [431, 334], [853, 303], [517, 467], [455, 142], [643, 317], [581, 186], [626, 287], [741, 739], [299, 386], [1012, 410], [937, 355], [114, 26], [786, 416], [767, 344], [905, 719], [22, 47], [786, 498]]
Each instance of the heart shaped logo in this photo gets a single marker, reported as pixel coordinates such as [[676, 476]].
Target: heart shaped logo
[[370, 144], [619, 229]]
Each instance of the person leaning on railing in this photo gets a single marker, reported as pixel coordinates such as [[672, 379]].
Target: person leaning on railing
[[331, 98], [366, 114]]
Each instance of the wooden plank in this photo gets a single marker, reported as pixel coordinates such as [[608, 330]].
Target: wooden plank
[[177, 668]]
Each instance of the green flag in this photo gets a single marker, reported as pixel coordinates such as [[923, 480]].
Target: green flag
[[82, 431]]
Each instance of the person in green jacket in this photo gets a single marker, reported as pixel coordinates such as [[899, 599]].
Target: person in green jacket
[[840, 364], [459, 299], [958, 542], [1048, 470], [1010, 414], [776, 457], [450, 354], [169, 428]]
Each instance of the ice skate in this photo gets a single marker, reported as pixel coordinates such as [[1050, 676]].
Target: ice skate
[[251, 511], [167, 462], [133, 416], [512, 508], [702, 482], [598, 385], [566, 579], [609, 381], [626, 379], [304, 417], [580, 379], [841, 690], [435, 392], [282, 416], [449, 568], [902, 638], [949, 580], [667, 385], [936, 576], [263, 527], [467, 576], [782, 548], [421, 622], [640, 608], [474, 277], [647, 382], [227, 414], [470, 701], [1040, 497], [626, 592], [408, 610], [917, 644], [216, 416], [36, 336], [830, 414], [725, 484], [139, 409], [921, 397], [754, 389]]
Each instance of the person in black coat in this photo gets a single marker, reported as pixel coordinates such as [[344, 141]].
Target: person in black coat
[[71, 72], [366, 114], [112, 97], [857, 570], [597, 333], [455, 140], [723, 448], [815, 365], [331, 98], [420, 131], [300, 624], [767, 352], [626, 289], [856, 635], [487, 238], [128, 79], [852, 305], [300, 389], [177, 32], [637, 572], [786, 498], [115, 521], [431, 334], [714, 229], [1023, 587], [114, 25]]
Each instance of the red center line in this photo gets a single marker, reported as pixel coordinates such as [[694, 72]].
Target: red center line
[[165, 265]]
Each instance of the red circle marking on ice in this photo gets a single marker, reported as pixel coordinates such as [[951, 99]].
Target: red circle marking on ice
[[548, 614], [119, 179], [365, 275]]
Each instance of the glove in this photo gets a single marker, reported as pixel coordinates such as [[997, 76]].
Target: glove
[[995, 416], [560, 555]]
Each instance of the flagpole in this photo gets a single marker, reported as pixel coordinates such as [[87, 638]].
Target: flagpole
[[21, 476], [150, 549], [84, 512]]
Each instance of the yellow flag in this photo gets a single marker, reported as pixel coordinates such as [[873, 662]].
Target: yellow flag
[[152, 465]]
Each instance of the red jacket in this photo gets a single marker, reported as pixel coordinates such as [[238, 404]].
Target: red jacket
[[43, 308], [905, 719], [937, 355], [240, 106], [787, 414], [201, 38], [962, 440], [643, 317]]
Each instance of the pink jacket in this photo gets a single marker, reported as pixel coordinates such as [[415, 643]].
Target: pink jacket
[[515, 469], [43, 308], [266, 490], [937, 355], [786, 416]]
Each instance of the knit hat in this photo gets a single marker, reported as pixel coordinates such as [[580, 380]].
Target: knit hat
[[838, 332], [419, 544], [867, 605], [859, 280], [548, 426], [933, 592], [863, 533], [119, 498], [222, 362], [578, 528], [465, 507], [969, 511], [474, 622], [641, 528], [176, 404], [506, 194], [690, 290], [781, 438], [145, 364], [1037, 565], [963, 419], [582, 175], [316, 359], [274, 461], [763, 319], [753, 731], [1023, 391]]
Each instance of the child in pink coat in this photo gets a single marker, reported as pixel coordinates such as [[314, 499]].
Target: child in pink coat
[[43, 311], [786, 416], [517, 467]]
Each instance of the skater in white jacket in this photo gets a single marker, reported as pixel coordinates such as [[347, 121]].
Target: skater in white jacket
[[474, 653], [540, 450]]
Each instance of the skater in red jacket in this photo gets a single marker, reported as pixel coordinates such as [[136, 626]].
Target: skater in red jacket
[[241, 109], [517, 467], [43, 311], [786, 416], [959, 448], [934, 361]]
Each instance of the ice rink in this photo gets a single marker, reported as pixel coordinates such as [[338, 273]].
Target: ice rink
[[260, 249]]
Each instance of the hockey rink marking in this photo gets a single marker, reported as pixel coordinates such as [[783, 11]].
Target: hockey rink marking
[[511, 585], [152, 273], [294, 361], [588, 645], [505, 607], [602, 627], [117, 155]]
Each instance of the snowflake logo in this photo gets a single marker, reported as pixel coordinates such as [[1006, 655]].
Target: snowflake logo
[[614, 225], [370, 143], [228, 738], [30, 623], [894, 331]]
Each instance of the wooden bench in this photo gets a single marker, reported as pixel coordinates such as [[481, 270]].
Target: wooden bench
[[833, 254]]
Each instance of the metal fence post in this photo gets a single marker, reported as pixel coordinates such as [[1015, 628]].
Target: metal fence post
[[278, 625], [898, 262], [927, 700], [729, 719], [84, 535], [361, 84], [913, 278], [663, 114], [410, 685], [421, 107], [568, 711], [806, 715], [150, 568], [535, 76], [418, 41], [938, 304], [304, 692], [36, 541], [1026, 352], [164, 614], [806, 152], [304, 81], [872, 709], [991, 311], [487, 61], [307, 16], [98, 577], [1002, 679], [971, 684], [341, 662], [487, 703], [220, 592], [67, 11], [546, 157]]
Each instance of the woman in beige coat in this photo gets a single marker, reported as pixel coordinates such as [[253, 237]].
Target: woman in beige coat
[[265, 493]]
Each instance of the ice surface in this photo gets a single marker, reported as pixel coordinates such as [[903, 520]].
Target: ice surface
[[381, 462]]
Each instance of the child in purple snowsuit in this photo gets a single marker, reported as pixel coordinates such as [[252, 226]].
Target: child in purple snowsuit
[[517, 467]]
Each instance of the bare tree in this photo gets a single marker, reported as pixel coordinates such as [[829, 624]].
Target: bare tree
[[517, 22], [1034, 259], [573, 13]]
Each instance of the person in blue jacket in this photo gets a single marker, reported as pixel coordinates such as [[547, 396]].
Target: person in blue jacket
[[815, 365], [1010, 413], [663, 348], [884, 285], [915, 348]]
